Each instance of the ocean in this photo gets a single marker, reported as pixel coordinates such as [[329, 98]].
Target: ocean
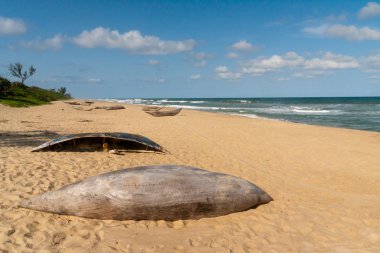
[[347, 112]]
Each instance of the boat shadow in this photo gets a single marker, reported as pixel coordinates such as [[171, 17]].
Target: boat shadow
[[25, 138]]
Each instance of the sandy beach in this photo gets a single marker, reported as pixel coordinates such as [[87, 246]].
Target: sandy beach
[[325, 182]]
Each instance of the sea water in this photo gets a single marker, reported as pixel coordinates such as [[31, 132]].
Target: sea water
[[348, 112]]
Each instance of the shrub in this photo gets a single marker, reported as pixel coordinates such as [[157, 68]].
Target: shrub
[[5, 87]]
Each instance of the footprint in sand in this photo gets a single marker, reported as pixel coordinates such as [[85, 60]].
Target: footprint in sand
[[58, 238], [195, 242], [179, 248], [85, 234], [11, 231]]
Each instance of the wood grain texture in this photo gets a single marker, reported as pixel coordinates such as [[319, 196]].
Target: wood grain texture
[[159, 113], [166, 192]]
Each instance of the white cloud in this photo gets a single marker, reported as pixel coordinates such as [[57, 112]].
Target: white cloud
[[242, 45], [94, 80], [374, 78], [334, 19], [232, 55], [318, 30], [161, 80], [309, 74], [200, 63], [260, 66], [154, 62], [345, 32], [371, 10], [331, 61], [11, 26], [223, 73], [372, 63], [71, 79], [281, 79], [195, 77], [199, 59], [199, 56], [132, 41], [54, 43], [306, 68]]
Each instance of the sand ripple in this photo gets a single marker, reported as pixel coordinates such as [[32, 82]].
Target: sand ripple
[[325, 182]]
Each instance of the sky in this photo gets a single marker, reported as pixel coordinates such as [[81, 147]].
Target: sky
[[183, 49]]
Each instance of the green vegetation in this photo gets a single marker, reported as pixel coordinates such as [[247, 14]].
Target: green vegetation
[[19, 95]]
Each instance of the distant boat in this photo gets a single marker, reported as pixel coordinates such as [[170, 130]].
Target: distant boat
[[78, 103], [72, 102], [87, 103], [110, 107], [158, 113]]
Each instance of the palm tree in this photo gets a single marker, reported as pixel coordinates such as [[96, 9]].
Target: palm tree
[[16, 70]]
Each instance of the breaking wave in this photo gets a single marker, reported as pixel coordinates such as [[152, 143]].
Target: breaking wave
[[358, 113]]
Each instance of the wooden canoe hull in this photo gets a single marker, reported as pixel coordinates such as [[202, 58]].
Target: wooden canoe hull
[[152, 108], [110, 107], [166, 192], [95, 142], [164, 113]]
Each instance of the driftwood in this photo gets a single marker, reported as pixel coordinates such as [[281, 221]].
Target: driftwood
[[152, 193], [99, 142], [164, 113], [110, 107]]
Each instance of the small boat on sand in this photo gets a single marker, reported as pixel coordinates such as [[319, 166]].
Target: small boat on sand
[[110, 107], [152, 108], [100, 142], [156, 192], [159, 113], [72, 103]]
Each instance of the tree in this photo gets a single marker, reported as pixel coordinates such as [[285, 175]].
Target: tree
[[16, 70], [62, 90]]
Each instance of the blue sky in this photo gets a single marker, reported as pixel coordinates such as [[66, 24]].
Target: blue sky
[[122, 49]]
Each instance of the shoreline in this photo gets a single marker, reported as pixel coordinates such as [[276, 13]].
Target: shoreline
[[324, 182], [231, 114]]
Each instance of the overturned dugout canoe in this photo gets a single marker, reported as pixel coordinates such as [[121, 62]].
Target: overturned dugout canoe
[[110, 107], [166, 192], [87, 103], [152, 108], [72, 103], [164, 113], [100, 141]]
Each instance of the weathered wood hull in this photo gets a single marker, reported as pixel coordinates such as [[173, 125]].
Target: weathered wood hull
[[111, 107], [164, 113], [72, 103], [152, 108], [96, 141], [166, 192]]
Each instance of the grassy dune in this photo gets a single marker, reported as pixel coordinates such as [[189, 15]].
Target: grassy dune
[[22, 96]]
